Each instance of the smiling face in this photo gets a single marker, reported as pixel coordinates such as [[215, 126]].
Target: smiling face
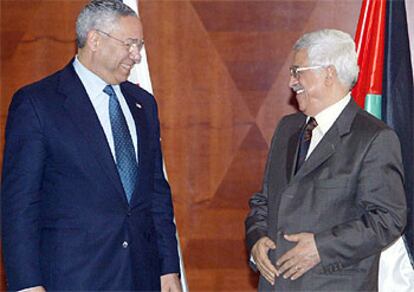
[[311, 93], [112, 61]]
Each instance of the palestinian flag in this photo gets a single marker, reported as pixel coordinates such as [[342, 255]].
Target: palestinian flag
[[385, 84]]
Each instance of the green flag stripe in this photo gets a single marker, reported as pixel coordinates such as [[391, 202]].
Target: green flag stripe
[[373, 104]]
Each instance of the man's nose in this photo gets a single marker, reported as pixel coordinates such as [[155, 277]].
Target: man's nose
[[292, 81]]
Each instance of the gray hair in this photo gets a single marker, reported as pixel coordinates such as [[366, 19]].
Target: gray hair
[[332, 47], [102, 15]]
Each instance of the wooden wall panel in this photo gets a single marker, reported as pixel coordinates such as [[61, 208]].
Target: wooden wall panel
[[37, 39], [220, 74]]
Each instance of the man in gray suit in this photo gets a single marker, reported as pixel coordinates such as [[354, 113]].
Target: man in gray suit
[[332, 195]]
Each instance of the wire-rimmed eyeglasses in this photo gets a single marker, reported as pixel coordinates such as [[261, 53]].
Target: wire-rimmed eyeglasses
[[295, 70], [129, 43]]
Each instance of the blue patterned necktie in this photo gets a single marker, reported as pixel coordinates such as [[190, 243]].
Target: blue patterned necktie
[[124, 149], [304, 142]]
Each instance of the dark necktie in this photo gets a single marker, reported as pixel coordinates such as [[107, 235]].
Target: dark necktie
[[304, 142], [124, 149]]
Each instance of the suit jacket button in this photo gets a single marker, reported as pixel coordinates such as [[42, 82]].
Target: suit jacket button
[[125, 244]]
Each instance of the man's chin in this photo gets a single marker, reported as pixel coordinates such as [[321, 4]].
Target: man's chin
[[123, 72], [122, 77], [301, 104], [300, 98]]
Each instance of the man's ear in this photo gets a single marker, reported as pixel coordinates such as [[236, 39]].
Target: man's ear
[[330, 75], [93, 39]]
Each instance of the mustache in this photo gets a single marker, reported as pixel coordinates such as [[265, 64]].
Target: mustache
[[297, 88]]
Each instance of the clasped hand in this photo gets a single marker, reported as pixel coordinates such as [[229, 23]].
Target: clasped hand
[[293, 264]]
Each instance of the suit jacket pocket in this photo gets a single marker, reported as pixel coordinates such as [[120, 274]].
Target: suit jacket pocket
[[332, 198], [332, 183]]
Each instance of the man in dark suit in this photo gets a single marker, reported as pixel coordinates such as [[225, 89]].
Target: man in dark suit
[[332, 194], [85, 205]]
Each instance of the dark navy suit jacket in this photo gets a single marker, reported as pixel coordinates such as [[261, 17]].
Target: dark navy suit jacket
[[66, 223]]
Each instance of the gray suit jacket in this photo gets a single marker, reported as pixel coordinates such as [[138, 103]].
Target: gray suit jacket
[[349, 193]]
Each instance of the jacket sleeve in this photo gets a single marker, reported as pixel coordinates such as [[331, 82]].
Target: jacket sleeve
[[162, 209], [256, 224], [23, 164], [380, 194]]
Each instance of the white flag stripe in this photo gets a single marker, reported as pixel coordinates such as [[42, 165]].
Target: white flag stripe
[[395, 271], [140, 75], [140, 72]]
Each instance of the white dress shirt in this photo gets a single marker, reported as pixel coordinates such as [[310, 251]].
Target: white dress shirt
[[325, 120], [94, 86]]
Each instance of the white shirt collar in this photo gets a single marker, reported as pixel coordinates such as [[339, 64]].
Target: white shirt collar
[[328, 116], [93, 84]]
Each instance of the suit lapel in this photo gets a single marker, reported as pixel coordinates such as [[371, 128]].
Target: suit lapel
[[138, 113], [292, 150], [83, 115], [137, 109], [324, 150]]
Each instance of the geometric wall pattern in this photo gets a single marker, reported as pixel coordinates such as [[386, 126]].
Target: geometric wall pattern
[[37, 39], [220, 72]]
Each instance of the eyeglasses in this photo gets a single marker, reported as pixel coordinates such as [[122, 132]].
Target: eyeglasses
[[295, 70], [129, 43]]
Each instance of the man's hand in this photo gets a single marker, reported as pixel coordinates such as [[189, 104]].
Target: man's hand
[[170, 283], [260, 256], [300, 259]]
